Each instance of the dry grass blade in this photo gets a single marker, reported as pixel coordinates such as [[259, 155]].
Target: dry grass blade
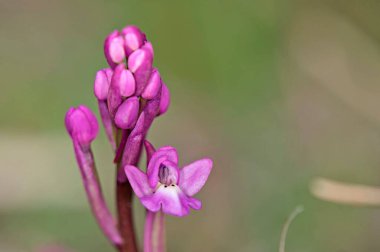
[[345, 193], [292, 216]]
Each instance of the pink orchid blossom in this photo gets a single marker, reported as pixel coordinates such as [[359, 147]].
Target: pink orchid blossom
[[166, 187]]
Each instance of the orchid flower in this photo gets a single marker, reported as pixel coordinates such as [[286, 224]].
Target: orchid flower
[[166, 187]]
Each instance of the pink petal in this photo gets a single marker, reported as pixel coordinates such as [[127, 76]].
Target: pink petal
[[194, 203], [138, 180], [194, 176], [162, 154]]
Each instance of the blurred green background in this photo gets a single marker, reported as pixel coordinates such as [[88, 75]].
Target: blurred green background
[[276, 92]]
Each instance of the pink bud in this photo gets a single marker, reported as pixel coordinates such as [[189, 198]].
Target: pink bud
[[149, 47], [165, 99], [109, 73], [140, 64], [127, 83], [81, 124], [134, 38], [114, 49], [101, 85], [153, 87], [114, 97], [127, 113]]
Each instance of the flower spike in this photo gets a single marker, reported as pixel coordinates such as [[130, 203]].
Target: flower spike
[[130, 95]]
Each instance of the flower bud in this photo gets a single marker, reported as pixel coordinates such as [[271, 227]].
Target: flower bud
[[153, 86], [149, 47], [122, 84], [140, 64], [134, 38], [127, 83], [165, 99], [81, 124], [114, 49], [101, 85], [109, 73], [114, 98], [127, 113]]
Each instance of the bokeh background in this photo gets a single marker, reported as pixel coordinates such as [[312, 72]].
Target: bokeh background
[[276, 92]]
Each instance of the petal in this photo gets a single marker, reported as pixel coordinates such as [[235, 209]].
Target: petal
[[194, 203], [194, 176], [161, 155], [151, 202], [170, 199], [138, 180]]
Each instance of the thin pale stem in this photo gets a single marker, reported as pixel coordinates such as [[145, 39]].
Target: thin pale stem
[[285, 228], [154, 232]]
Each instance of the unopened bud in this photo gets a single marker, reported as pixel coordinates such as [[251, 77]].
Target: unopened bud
[[101, 85], [127, 113], [134, 38], [81, 124], [153, 86], [114, 49], [140, 64], [114, 97], [165, 99]]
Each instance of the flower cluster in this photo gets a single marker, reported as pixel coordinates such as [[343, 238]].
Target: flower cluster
[[131, 80], [130, 95]]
